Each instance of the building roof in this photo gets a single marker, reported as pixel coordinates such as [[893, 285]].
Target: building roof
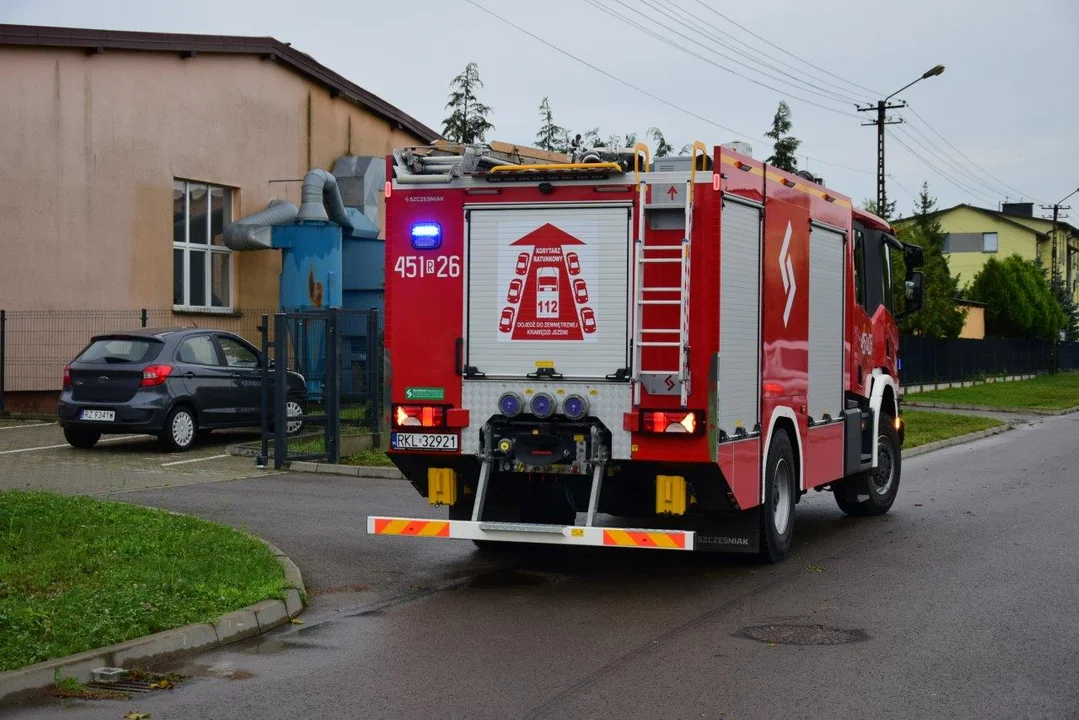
[[995, 214], [189, 46]]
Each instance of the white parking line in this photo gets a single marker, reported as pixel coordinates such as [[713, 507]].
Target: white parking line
[[56, 447], [21, 427], [194, 460]]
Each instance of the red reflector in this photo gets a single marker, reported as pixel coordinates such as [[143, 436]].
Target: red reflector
[[715, 181], [389, 188], [631, 422], [154, 375], [457, 418]]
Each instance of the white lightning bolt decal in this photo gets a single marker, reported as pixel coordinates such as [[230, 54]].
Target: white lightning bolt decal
[[786, 271]]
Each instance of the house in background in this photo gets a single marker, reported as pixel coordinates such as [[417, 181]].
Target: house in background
[[974, 234], [124, 155]]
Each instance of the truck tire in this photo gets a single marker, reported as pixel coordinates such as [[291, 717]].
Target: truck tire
[[880, 483], [780, 493]]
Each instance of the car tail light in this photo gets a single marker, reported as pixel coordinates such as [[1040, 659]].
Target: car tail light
[[154, 375], [67, 376], [418, 416], [666, 421]]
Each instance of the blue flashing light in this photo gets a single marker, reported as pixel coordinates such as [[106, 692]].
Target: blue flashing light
[[426, 235]]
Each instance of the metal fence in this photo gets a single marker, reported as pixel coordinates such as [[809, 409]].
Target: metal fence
[[35, 345], [926, 360]]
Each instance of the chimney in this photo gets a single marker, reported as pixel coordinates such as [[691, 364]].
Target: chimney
[[1023, 209]]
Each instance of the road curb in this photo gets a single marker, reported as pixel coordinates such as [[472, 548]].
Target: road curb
[[166, 645], [988, 408], [363, 471], [959, 440]]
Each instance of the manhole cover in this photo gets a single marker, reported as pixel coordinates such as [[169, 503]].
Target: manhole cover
[[802, 634]]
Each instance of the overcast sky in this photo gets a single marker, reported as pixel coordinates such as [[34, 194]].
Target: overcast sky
[[1008, 99]]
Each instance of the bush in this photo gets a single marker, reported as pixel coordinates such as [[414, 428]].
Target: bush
[[1019, 302]]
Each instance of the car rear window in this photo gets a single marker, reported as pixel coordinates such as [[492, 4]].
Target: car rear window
[[121, 350]]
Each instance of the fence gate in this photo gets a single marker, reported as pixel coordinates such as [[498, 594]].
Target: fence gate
[[301, 385]]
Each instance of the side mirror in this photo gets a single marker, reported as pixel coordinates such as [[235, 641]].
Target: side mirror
[[913, 257], [915, 292]]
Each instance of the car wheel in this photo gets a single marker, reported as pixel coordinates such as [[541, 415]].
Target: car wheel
[[880, 485], [780, 492], [180, 429], [293, 409], [81, 437]]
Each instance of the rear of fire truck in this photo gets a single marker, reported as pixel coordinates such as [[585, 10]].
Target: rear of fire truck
[[509, 319]]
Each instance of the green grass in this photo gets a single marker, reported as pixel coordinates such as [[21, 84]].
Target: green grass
[[370, 457], [1047, 392], [926, 426], [78, 574]]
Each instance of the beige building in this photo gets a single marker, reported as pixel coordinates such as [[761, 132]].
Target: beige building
[[122, 155]]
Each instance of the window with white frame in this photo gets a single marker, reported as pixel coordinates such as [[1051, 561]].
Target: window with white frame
[[201, 264], [989, 242]]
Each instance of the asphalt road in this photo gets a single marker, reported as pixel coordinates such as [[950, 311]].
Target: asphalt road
[[961, 603]]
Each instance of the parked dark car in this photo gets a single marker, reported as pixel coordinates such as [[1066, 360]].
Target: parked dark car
[[174, 383]]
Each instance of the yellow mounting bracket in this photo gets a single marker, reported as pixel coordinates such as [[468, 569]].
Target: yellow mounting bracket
[[637, 149], [697, 145]]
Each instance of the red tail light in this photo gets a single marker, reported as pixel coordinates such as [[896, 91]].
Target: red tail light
[[67, 376], [418, 416], [666, 421], [154, 375]]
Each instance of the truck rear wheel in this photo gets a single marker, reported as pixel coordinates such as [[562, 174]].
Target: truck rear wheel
[[780, 492], [881, 483]]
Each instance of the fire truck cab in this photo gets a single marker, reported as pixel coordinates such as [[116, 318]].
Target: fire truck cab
[[606, 350]]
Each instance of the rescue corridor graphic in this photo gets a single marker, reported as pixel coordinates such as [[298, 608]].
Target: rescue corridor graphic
[[549, 288]]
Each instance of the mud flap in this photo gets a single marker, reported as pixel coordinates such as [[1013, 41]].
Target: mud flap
[[729, 533]]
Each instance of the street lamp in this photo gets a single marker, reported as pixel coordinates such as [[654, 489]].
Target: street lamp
[[882, 107]]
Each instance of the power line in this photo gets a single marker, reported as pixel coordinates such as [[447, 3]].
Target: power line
[[874, 93], [840, 96], [988, 174], [935, 151], [698, 56], [653, 96], [958, 184]]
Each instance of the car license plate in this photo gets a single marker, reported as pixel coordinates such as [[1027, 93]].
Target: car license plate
[[98, 415], [423, 441]]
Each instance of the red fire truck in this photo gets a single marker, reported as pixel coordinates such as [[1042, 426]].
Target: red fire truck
[[608, 351]]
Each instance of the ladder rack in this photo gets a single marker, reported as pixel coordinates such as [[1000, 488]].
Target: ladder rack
[[645, 295]]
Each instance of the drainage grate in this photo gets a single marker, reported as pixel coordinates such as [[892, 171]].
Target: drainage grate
[[803, 635], [125, 686]]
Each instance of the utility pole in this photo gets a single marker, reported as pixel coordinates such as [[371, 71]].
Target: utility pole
[[881, 108], [1056, 208]]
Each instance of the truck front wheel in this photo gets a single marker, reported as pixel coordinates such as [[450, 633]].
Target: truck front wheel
[[780, 491], [880, 485]]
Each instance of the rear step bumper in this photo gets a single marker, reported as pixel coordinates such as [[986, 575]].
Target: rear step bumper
[[531, 533]]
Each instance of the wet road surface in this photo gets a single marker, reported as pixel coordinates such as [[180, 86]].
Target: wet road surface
[[962, 602]]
